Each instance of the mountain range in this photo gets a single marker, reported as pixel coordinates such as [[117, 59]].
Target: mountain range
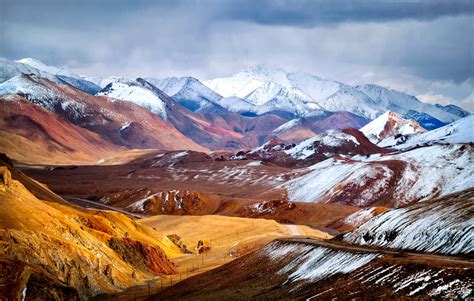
[[170, 188], [241, 111]]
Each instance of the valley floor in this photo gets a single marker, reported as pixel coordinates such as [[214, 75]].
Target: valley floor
[[228, 238]]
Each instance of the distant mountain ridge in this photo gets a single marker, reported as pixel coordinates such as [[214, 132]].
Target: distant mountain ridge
[[241, 111], [190, 92], [262, 90]]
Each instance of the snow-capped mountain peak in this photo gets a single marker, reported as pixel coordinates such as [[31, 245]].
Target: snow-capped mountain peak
[[46, 68], [459, 131], [133, 91], [390, 124], [26, 85], [331, 139], [189, 92], [275, 90]]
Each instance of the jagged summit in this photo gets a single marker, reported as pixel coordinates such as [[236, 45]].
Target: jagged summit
[[189, 92], [390, 124]]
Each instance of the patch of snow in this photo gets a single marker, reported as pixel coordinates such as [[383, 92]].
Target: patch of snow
[[360, 217], [255, 163], [125, 126], [179, 155], [287, 126], [139, 206], [391, 124]]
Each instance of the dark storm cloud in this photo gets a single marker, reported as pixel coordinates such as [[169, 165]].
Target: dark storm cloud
[[418, 41], [310, 13], [306, 13]]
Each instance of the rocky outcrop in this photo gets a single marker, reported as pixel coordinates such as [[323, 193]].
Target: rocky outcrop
[[5, 178], [142, 255], [21, 281]]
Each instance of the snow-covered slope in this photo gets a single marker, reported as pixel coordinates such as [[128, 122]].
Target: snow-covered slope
[[427, 121], [330, 139], [190, 93], [389, 180], [126, 89], [27, 86], [390, 124], [440, 226], [315, 263], [298, 94], [453, 109], [9, 69], [81, 84], [307, 270], [351, 100], [400, 103], [460, 131], [331, 143], [64, 75], [121, 123]]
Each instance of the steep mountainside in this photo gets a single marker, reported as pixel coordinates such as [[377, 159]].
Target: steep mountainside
[[453, 109], [439, 226], [401, 103], [118, 122], [49, 69], [32, 134], [296, 130], [261, 90], [308, 269], [190, 93], [390, 124], [133, 91], [391, 180], [457, 132], [428, 121], [265, 90], [9, 69], [330, 144], [71, 251], [214, 131], [60, 75]]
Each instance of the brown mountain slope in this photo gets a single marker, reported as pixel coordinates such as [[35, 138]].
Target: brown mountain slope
[[121, 123], [303, 128], [32, 134], [216, 131], [72, 250], [332, 143]]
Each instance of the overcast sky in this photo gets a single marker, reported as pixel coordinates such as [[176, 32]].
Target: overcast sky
[[425, 48]]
